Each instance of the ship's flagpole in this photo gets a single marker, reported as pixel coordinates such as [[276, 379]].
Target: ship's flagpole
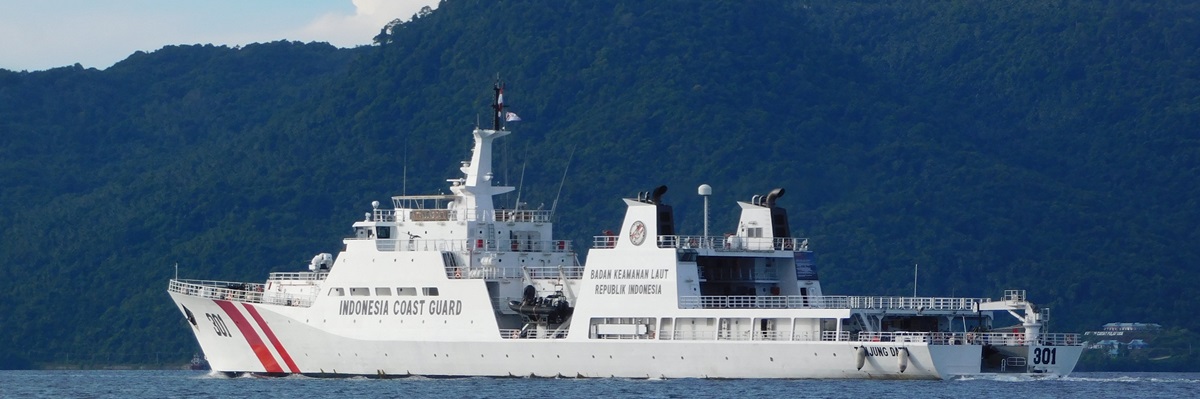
[[521, 184], [562, 182]]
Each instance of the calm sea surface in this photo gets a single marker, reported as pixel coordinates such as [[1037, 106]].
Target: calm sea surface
[[199, 384]]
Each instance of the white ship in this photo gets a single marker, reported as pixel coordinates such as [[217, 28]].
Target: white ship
[[451, 285]]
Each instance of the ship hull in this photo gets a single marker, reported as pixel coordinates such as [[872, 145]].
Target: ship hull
[[450, 284], [280, 340]]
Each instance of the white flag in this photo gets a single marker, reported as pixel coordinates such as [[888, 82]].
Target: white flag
[[511, 117]]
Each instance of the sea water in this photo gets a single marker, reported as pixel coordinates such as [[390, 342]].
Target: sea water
[[201, 384]]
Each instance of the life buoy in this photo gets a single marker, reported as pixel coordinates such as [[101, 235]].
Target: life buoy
[[457, 273], [650, 334]]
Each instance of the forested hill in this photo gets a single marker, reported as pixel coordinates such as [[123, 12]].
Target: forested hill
[[1044, 145]]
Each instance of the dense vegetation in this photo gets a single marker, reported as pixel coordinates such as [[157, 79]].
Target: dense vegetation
[[1044, 145], [1169, 350]]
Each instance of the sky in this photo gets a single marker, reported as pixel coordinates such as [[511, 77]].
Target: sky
[[43, 34]]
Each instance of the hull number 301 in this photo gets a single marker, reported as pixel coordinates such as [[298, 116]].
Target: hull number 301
[[1045, 355], [219, 325]]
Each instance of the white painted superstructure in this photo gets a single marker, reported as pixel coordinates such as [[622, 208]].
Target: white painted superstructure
[[450, 285]]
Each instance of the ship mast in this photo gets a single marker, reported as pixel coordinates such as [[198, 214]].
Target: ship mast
[[498, 105], [475, 188]]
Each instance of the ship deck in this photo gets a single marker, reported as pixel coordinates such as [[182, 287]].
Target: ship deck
[[253, 293], [930, 338]]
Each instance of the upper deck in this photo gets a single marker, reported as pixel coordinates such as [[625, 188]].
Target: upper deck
[[405, 212], [860, 303], [715, 243], [255, 292], [258, 293]]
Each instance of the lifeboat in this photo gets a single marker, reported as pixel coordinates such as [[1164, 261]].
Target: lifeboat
[[552, 308]]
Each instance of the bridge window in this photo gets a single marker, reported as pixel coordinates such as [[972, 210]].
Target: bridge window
[[429, 291], [406, 291], [337, 292], [360, 291], [383, 291]]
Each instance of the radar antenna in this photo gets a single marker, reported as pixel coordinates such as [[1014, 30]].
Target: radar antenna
[[498, 104]]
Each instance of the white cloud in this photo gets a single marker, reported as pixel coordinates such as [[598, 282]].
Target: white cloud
[[42, 34], [358, 29]]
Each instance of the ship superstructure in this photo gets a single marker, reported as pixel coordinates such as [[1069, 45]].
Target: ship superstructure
[[451, 285]]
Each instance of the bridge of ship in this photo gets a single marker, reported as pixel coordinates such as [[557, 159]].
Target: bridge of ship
[[715, 243], [431, 208]]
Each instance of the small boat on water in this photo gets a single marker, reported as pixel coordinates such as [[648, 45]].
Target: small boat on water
[[453, 285], [198, 363]]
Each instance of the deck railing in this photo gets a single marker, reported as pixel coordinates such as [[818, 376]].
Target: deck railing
[[913, 303], [827, 302], [471, 245], [298, 276], [718, 243], [835, 335], [445, 215], [513, 333], [239, 292], [535, 272], [1018, 338], [931, 338]]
